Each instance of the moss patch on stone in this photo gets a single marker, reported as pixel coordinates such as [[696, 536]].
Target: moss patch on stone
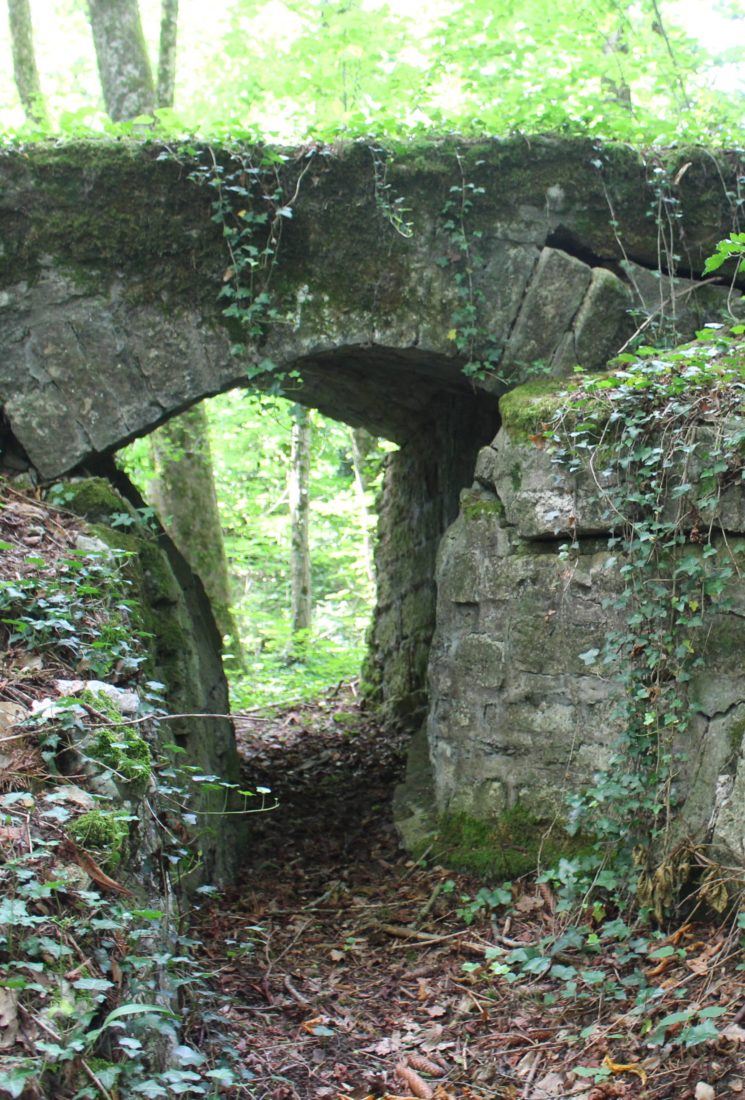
[[119, 748], [512, 845], [102, 833], [527, 410], [478, 507]]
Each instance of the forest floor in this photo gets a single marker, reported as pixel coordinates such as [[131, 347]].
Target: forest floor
[[346, 970]]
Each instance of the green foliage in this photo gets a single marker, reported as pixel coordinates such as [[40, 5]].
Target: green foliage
[[302, 68], [79, 606], [731, 248], [249, 207], [103, 833], [103, 980], [119, 748], [251, 451]]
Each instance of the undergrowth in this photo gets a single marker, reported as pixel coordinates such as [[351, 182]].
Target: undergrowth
[[97, 978]]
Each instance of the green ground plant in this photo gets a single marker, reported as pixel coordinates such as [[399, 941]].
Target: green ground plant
[[99, 981]]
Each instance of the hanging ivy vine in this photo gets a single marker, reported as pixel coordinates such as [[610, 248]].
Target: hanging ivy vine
[[662, 439]]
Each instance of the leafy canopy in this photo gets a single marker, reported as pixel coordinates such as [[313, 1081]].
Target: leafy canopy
[[298, 69]]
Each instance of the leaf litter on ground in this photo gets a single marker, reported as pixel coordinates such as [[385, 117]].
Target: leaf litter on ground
[[347, 972]]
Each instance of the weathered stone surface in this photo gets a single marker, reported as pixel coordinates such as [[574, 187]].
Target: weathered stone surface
[[185, 658], [420, 500], [111, 267], [110, 322], [518, 716], [552, 299]]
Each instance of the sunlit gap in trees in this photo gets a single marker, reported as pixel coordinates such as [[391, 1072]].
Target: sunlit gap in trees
[[255, 469], [657, 71]]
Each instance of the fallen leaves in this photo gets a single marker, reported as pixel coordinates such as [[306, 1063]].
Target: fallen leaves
[[625, 1067], [370, 1000]]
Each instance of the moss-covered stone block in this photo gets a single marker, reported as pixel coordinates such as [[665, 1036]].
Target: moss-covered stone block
[[118, 748], [516, 843]]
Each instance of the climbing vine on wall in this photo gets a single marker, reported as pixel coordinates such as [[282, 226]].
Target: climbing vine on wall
[[482, 354], [250, 203], [662, 440]]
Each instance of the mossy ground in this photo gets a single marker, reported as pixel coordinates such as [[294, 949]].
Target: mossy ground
[[102, 832], [119, 748]]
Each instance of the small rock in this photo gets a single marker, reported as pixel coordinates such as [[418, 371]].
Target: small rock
[[92, 545], [11, 714], [126, 702], [704, 1092], [71, 793]]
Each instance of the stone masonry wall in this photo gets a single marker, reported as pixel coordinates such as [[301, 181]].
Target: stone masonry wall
[[517, 718], [419, 500]]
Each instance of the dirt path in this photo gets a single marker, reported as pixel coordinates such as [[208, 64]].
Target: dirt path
[[348, 971]]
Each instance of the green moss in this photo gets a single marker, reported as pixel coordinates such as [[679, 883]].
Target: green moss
[[476, 507], [507, 847], [102, 833], [95, 500], [119, 748], [528, 409], [736, 735]]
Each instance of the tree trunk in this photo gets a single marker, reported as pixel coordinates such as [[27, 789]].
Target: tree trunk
[[185, 498], [24, 61], [362, 443], [167, 53], [184, 492], [121, 54], [299, 492]]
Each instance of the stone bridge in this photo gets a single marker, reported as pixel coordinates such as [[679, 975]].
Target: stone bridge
[[376, 275]]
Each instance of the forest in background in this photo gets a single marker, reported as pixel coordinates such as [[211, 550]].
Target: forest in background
[[290, 70], [251, 436]]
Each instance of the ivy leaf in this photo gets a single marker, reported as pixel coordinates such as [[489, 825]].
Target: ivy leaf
[[590, 656]]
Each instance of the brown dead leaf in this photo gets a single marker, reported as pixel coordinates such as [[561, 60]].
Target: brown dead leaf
[[734, 1033], [529, 904], [91, 868], [390, 1045], [436, 1011]]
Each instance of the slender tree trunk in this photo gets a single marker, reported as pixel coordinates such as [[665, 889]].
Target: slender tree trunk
[[185, 498], [165, 93], [362, 441], [123, 62], [24, 61], [184, 492], [299, 492]]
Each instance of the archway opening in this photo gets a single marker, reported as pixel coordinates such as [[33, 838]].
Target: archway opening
[[263, 451]]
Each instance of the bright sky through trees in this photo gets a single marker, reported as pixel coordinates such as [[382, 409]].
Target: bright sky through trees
[[290, 68]]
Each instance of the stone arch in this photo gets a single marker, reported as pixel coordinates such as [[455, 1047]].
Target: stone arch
[[110, 322]]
